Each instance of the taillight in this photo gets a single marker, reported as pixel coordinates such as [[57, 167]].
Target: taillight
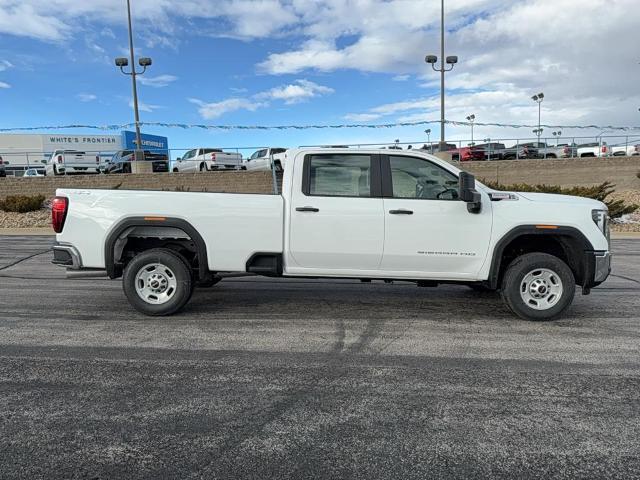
[[213, 157], [97, 160], [59, 206], [565, 150], [604, 149], [637, 150], [59, 158]]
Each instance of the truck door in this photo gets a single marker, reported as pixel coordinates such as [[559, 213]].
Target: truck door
[[336, 214], [428, 229]]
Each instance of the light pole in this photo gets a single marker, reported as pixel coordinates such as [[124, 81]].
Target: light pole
[[471, 118], [144, 63], [451, 60], [538, 99], [428, 132], [557, 134], [488, 142]]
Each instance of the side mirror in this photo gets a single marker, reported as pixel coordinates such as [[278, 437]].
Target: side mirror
[[179, 159], [468, 193]]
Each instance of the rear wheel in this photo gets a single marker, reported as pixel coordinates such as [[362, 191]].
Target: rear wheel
[[538, 286], [203, 167], [158, 282]]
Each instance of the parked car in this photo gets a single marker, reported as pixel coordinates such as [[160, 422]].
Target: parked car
[[207, 159], [467, 154], [625, 150], [72, 161], [121, 161], [3, 170], [368, 214], [32, 172], [594, 149], [519, 151], [261, 159], [492, 150]]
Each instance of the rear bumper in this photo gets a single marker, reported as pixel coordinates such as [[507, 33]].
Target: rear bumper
[[66, 256]]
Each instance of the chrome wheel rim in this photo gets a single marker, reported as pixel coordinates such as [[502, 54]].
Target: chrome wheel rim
[[156, 283], [541, 289]]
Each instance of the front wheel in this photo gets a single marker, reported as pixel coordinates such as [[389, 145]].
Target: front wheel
[[158, 282], [538, 286]]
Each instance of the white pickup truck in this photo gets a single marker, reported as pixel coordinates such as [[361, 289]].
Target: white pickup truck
[[262, 159], [72, 161], [207, 159], [365, 214]]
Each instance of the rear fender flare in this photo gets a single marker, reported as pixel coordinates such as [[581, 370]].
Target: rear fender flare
[[126, 225]]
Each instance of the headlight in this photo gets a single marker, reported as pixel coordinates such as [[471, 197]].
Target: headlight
[[601, 219]]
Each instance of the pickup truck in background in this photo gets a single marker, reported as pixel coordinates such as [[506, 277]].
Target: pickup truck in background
[[492, 150], [518, 152], [467, 154], [71, 161], [392, 215], [625, 150], [594, 149], [261, 159], [121, 161], [208, 159]]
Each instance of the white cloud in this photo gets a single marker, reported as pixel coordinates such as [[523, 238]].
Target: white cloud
[[158, 82], [5, 65], [86, 97], [4, 85], [217, 109], [297, 92], [145, 107], [362, 117], [400, 78]]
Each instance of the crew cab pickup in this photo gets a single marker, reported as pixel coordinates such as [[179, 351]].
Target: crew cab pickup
[[368, 214], [206, 159], [72, 161], [264, 158]]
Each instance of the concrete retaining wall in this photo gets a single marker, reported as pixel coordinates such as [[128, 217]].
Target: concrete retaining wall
[[237, 182], [566, 172]]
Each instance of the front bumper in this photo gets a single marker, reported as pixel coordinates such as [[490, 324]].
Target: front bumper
[[598, 268]]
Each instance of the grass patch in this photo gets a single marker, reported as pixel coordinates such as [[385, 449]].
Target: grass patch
[[22, 203]]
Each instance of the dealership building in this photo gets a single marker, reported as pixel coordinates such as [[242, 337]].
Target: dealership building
[[21, 151]]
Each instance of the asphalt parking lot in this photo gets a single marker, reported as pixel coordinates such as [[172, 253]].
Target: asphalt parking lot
[[261, 378]]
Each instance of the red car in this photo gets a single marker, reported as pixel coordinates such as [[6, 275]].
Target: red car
[[467, 154]]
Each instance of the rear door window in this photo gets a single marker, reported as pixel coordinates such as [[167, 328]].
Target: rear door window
[[338, 175]]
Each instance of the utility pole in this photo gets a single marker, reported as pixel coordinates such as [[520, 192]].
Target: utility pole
[[144, 63], [451, 60]]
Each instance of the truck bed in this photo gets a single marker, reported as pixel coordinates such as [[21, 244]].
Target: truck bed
[[235, 225]]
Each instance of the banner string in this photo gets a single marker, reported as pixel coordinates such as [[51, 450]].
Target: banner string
[[309, 127]]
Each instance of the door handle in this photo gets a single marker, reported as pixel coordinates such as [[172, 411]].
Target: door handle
[[307, 209], [401, 212]]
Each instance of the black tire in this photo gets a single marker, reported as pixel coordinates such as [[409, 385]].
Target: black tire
[[480, 288], [177, 273], [55, 171], [203, 167], [515, 287]]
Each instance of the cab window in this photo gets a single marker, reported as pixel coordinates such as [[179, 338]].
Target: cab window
[[419, 178], [338, 175]]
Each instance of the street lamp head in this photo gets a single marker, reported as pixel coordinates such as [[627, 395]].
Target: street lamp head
[[534, 98], [144, 61], [451, 60], [471, 117], [121, 62], [432, 59], [427, 131], [541, 95]]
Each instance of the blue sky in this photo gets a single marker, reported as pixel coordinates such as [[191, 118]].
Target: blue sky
[[271, 62]]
